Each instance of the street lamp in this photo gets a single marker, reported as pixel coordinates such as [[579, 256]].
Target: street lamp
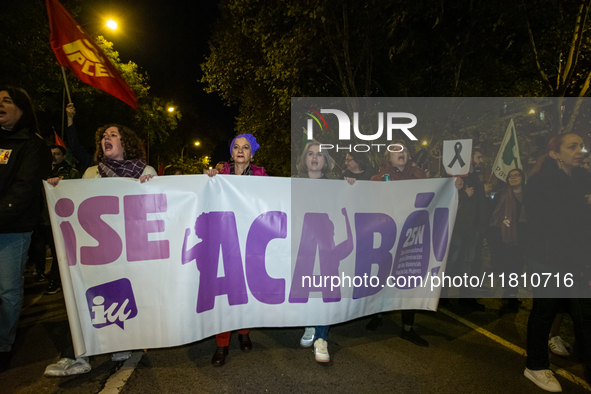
[[111, 24], [197, 143]]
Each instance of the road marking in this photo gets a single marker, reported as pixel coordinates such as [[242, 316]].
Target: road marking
[[116, 381], [559, 371]]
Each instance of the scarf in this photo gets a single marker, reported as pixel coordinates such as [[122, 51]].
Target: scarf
[[121, 168], [505, 216], [247, 170]]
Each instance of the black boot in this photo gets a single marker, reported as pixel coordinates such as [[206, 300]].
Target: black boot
[[4, 361], [219, 357], [413, 337], [245, 343]]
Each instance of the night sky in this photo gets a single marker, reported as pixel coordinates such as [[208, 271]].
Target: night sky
[[169, 41]]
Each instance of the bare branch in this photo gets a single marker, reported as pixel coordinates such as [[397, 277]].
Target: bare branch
[[575, 47], [535, 52]]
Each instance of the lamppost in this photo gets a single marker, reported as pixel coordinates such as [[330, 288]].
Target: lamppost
[[197, 143], [169, 109]]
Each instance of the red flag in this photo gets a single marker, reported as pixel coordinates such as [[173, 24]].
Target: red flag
[[75, 49], [58, 140], [161, 169]]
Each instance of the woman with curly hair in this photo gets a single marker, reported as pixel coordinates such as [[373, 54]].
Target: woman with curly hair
[[119, 152]]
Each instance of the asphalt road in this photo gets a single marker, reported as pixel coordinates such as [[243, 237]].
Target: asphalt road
[[470, 352]]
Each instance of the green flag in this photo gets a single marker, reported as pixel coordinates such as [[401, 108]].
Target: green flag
[[508, 156]]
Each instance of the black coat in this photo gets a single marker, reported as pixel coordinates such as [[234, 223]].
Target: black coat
[[473, 212], [558, 220], [25, 160]]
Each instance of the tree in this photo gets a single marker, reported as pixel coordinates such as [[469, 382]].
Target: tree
[[265, 53], [560, 51]]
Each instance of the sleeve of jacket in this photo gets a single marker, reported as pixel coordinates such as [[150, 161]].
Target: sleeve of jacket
[[24, 192], [77, 149]]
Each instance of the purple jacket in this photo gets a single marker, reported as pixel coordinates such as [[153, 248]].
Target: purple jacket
[[257, 171]]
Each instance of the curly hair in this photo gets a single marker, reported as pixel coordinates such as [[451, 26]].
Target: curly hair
[[133, 147]]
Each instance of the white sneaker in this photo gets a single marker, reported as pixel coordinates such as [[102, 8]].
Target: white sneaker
[[67, 367], [544, 379], [120, 356], [321, 351], [558, 346], [308, 337]]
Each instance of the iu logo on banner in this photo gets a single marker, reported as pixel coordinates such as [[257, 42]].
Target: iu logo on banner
[[111, 303]]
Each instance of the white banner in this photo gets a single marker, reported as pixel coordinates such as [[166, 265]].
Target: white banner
[[181, 258]]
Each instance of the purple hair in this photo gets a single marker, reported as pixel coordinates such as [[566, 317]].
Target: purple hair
[[254, 146]]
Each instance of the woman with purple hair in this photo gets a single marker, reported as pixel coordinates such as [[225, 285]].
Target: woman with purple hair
[[242, 150]]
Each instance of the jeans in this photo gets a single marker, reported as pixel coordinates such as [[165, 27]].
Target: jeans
[[321, 332], [540, 321], [13, 256]]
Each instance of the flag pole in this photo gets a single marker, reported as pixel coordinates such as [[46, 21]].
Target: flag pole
[[63, 111], [66, 84]]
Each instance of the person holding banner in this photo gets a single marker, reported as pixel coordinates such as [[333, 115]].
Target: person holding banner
[[25, 160], [242, 149], [397, 167], [506, 235], [358, 167], [119, 153], [315, 163], [557, 200]]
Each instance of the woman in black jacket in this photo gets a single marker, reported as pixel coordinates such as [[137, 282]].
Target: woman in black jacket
[[557, 203], [506, 234], [25, 160]]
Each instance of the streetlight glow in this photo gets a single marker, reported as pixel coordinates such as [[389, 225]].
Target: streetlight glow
[[111, 24], [170, 109], [197, 143], [424, 142], [532, 111]]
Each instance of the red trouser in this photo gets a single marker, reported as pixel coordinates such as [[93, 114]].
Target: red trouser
[[223, 339]]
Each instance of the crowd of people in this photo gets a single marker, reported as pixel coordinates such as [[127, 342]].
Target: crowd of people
[[543, 221]]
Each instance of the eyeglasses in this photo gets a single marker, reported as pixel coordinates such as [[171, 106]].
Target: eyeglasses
[[513, 176]]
